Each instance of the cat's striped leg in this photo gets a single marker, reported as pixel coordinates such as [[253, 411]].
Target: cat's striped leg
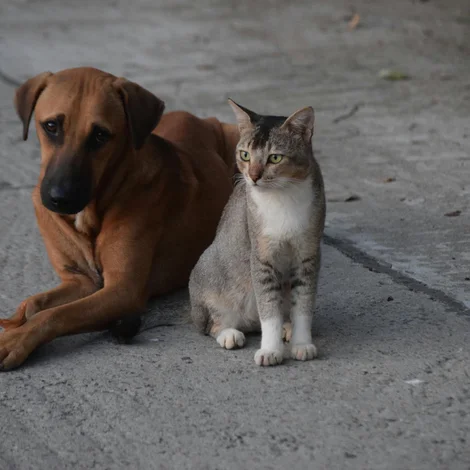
[[303, 295], [268, 292]]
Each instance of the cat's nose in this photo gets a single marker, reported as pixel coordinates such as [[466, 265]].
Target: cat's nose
[[255, 174]]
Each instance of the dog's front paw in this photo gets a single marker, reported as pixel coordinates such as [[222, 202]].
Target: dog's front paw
[[15, 346], [267, 357], [230, 338], [303, 352]]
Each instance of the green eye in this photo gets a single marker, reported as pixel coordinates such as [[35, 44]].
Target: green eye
[[244, 155], [275, 158]]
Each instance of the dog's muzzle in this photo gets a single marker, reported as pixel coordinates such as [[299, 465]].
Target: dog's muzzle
[[65, 193]]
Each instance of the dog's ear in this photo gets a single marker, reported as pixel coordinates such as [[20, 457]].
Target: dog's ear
[[26, 97], [143, 110]]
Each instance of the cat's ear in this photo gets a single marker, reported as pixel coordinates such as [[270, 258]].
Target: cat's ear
[[245, 117], [301, 122]]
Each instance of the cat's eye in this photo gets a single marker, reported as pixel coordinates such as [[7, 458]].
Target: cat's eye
[[244, 155], [275, 158]]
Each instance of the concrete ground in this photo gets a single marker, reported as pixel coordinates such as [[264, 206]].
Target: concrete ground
[[391, 389]]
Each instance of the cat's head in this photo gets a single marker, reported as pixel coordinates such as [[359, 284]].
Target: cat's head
[[274, 151]]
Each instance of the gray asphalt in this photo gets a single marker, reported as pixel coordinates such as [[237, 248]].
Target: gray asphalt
[[391, 388]]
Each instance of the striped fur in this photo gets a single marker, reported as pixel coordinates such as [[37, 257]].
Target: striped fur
[[262, 268]]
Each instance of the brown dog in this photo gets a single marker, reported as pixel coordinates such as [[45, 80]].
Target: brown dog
[[124, 213]]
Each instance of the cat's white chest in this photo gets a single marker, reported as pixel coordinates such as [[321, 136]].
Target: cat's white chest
[[284, 213]]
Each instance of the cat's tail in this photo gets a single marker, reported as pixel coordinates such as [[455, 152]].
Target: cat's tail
[[201, 318]]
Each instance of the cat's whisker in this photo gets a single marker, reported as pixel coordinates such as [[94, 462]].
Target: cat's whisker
[[280, 183], [238, 178]]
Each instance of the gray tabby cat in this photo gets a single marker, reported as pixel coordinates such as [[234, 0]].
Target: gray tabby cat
[[263, 264]]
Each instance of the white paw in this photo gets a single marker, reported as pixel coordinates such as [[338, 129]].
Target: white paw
[[287, 331], [268, 357], [231, 338], [303, 352]]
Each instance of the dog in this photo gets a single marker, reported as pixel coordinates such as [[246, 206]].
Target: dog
[[127, 200]]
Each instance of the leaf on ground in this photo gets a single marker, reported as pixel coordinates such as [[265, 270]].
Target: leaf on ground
[[453, 214], [393, 75], [389, 180], [353, 197], [353, 23]]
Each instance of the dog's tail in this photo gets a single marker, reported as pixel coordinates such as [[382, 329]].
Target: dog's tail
[[231, 137], [126, 328], [226, 136]]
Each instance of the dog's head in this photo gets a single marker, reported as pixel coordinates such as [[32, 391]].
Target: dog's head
[[86, 120]]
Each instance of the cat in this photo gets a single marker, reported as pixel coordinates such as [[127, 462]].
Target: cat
[[264, 261]]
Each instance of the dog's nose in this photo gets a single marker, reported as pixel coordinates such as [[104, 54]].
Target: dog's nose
[[58, 195], [65, 196]]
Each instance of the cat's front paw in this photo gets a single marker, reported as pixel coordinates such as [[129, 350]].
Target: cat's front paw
[[303, 352], [231, 338], [268, 357]]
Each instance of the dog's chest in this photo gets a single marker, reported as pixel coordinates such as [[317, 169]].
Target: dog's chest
[[80, 222], [86, 222], [284, 213], [85, 225]]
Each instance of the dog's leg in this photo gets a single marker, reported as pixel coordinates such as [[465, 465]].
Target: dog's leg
[[93, 313], [68, 291], [125, 292]]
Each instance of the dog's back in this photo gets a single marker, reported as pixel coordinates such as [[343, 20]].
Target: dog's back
[[188, 131]]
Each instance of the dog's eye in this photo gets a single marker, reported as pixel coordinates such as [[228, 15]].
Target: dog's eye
[[51, 127], [100, 136]]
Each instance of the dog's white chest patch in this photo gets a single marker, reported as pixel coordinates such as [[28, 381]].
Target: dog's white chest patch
[[284, 212], [79, 222]]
